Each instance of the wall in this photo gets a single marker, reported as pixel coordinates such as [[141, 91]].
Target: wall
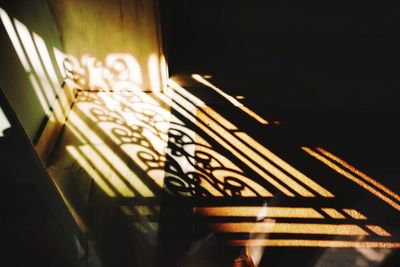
[[297, 55], [119, 35], [30, 76]]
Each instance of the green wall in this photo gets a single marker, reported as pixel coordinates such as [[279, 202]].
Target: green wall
[[29, 74]]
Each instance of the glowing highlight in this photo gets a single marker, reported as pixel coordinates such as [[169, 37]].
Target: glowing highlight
[[4, 123], [154, 73]]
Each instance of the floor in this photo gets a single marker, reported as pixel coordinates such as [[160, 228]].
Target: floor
[[202, 175]]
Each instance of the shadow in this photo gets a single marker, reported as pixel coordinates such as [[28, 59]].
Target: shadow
[[378, 211], [168, 177], [187, 177], [37, 227]]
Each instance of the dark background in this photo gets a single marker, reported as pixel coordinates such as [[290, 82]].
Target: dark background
[[301, 55]]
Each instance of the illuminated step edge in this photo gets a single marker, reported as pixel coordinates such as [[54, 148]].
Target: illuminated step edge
[[264, 212], [279, 212], [292, 228], [312, 243]]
